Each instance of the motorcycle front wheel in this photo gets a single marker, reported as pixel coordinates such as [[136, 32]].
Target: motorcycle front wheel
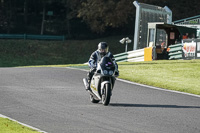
[[106, 94]]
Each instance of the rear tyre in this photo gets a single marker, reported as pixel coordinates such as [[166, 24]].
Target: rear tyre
[[92, 99], [106, 94]]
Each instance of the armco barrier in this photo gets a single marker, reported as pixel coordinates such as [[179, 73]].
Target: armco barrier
[[187, 50], [175, 52], [36, 37], [122, 57], [136, 55], [131, 56]]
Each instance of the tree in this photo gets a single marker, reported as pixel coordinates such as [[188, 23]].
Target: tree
[[3, 19], [63, 11], [8, 10], [100, 14], [71, 7]]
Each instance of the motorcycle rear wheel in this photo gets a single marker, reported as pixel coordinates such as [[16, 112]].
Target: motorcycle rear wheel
[[92, 99], [106, 94]]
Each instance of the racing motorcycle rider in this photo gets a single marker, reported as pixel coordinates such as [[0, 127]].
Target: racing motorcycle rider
[[96, 57]]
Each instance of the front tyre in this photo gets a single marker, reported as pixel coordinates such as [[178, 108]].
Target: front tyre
[[92, 99], [106, 94]]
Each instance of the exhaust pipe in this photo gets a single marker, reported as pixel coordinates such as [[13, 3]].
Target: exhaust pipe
[[86, 83]]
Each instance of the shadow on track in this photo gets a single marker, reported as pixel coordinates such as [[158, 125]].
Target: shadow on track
[[150, 105]]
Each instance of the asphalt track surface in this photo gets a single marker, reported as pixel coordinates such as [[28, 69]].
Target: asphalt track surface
[[54, 100]]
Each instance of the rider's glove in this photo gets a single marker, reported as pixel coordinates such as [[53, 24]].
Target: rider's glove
[[116, 73]]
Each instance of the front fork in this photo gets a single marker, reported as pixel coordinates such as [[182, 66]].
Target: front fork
[[103, 85]]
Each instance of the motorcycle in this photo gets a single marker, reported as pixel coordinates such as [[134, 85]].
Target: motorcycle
[[102, 82]]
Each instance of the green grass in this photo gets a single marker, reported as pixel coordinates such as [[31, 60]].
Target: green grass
[[180, 75], [8, 126]]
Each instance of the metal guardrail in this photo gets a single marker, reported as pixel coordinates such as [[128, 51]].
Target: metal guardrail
[[188, 49], [136, 55], [36, 37], [175, 52], [122, 57], [131, 56]]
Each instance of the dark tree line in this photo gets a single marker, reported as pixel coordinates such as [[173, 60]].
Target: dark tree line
[[80, 18]]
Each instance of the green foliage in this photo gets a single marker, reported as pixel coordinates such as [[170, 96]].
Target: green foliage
[[78, 19], [101, 14]]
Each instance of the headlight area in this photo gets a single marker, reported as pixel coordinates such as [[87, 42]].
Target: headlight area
[[110, 72], [105, 72]]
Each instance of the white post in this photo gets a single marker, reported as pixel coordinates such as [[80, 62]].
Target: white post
[[137, 22]]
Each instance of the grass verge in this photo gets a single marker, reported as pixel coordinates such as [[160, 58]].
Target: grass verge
[[179, 75], [8, 126]]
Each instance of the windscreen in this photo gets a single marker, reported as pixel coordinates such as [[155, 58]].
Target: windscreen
[[107, 63]]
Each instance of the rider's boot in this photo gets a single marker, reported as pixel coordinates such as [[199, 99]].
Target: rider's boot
[[88, 88], [88, 84]]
